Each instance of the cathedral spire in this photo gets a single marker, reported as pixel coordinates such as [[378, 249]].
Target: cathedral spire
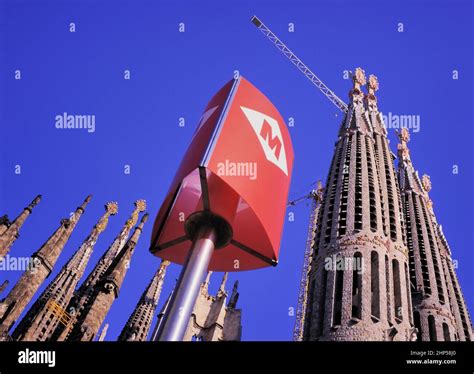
[[372, 87], [87, 325], [139, 322], [205, 284], [222, 291], [234, 297], [9, 232], [48, 310], [439, 308], [360, 221], [82, 295], [42, 262], [116, 246], [356, 119]]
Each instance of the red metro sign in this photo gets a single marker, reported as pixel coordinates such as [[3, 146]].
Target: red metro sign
[[238, 168]]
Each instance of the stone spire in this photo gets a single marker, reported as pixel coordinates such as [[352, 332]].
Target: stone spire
[[359, 223], [88, 323], [223, 283], [42, 264], [234, 297], [439, 307], [205, 284], [9, 232], [139, 322], [48, 310], [356, 119], [82, 295]]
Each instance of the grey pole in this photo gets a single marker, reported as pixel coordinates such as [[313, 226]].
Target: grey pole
[[179, 311]]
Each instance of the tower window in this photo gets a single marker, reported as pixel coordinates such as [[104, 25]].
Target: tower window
[[387, 289], [338, 287], [446, 335], [397, 291], [322, 300], [370, 175], [358, 186], [417, 321], [432, 329], [421, 246], [345, 190], [374, 284], [357, 287]]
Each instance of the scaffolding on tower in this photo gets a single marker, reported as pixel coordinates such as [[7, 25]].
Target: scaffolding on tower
[[316, 197]]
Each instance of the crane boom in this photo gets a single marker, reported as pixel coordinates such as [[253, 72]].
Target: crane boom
[[299, 64]]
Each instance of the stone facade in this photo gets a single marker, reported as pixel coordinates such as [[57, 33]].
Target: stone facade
[[212, 319]]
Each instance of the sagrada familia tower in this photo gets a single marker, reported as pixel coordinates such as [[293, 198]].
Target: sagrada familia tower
[[381, 268], [67, 311]]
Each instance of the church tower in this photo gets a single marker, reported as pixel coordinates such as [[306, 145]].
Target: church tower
[[139, 323], [82, 295], [42, 264], [105, 291], [48, 310], [9, 231], [358, 287], [436, 295]]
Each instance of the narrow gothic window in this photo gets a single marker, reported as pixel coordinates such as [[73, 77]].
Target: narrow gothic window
[[345, 191], [447, 338], [370, 175], [409, 238], [337, 312], [434, 256], [387, 288], [421, 246], [432, 329], [397, 291], [417, 322], [374, 284], [357, 287], [358, 187]]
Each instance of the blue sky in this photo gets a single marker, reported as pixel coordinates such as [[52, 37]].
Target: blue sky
[[174, 75]]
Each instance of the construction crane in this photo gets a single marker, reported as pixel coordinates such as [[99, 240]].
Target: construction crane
[[316, 197], [299, 64]]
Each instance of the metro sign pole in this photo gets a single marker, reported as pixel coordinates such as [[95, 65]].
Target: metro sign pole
[[230, 226]]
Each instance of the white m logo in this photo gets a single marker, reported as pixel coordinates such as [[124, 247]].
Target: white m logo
[[268, 133]]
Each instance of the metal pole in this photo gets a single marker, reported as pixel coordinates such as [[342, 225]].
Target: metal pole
[[184, 297]]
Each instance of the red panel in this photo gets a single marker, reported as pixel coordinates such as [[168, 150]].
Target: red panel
[[248, 158]]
